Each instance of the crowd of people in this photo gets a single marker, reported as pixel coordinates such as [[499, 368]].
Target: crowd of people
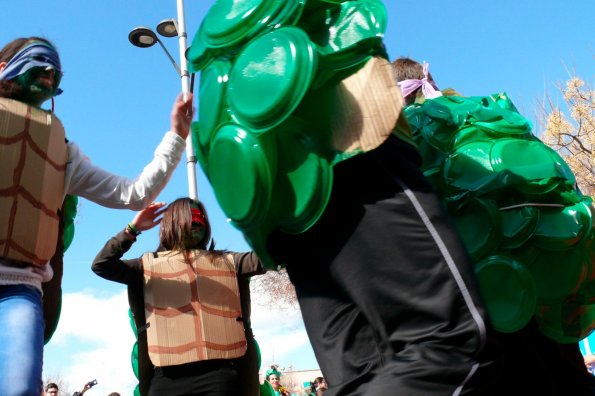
[[316, 387], [395, 310]]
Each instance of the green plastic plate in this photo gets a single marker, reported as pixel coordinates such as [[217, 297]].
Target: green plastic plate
[[304, 178], [241, 172], [229, 21], [508, 290], [211, 107], [270, 77], [479, 224]]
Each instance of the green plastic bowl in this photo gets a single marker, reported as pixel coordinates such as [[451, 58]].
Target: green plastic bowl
[[288, 15], [228, 22], [345, 34], [558, 274], [518, 225], [508, 290], [304, 178], [134, 359], [200, 151], [563, 228], [439, 134], [567, 323], [479, 224], [270, 77], [541, 168], [231, 23], [468, 167], [198, 55], [241, 170], [469, 134], [211, 106]]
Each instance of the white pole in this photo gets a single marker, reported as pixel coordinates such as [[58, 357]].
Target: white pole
[[185, 76]]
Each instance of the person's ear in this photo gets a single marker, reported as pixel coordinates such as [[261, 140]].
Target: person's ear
[[2, 66]]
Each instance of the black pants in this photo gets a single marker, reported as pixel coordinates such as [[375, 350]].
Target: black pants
[[208, 378], [536, 365], [385, 286]]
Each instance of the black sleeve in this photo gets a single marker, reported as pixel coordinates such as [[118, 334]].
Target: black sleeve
[[109, 264], [248, 264]]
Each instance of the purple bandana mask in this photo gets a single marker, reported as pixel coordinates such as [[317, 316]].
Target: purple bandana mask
[[428, 88]]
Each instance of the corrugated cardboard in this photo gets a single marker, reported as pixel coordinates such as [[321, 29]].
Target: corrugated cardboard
[[33, 154], [193, 310], [358, 113]]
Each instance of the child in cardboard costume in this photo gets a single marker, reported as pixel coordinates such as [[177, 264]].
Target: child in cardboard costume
[[190, 303], [39, 169]]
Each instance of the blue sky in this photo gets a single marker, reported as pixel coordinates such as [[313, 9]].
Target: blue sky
[[116, 104]]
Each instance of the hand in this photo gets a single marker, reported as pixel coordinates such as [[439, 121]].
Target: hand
[[148, 217], [181, 115], [589, 361]]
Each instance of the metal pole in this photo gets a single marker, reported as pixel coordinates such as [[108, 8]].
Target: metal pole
[[185, 76], [173, 62]]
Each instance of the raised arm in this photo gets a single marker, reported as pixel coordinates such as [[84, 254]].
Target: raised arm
[[110, 190], [85, 388], [109, 264]]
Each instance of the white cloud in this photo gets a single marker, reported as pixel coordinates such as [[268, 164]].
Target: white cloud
[[280, 335], [94, 317], [94, 340]]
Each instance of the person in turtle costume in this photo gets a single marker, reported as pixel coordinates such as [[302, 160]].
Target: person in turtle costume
[[42, 173], [300, 133], [524, 222]]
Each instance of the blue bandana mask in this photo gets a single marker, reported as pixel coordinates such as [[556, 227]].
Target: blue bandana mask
[[34, 54]]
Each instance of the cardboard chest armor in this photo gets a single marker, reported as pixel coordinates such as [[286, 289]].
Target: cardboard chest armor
[[193, 310], [33, 155]]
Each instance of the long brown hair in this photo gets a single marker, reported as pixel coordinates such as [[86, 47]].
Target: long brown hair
[[176, 227], [10, 89]]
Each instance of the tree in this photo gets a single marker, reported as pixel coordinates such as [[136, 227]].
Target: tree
[[571, 131], [274, 287]]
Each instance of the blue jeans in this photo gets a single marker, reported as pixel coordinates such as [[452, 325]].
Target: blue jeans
[[21, 340]]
